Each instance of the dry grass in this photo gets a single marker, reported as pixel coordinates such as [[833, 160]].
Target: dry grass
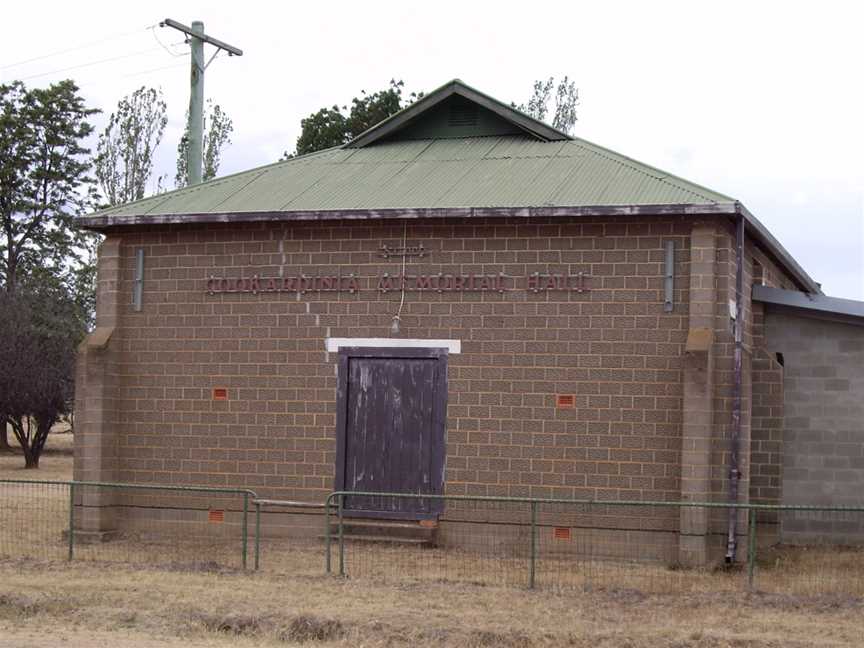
[[395, 596], [787, 570], [40, 602], [33, 519]]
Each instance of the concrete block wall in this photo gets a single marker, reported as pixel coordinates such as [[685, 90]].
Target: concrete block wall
[[824, 410], [698, 427], [822, 422], [96, 453]]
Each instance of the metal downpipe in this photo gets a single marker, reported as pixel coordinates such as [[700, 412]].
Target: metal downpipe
[[735, 440]]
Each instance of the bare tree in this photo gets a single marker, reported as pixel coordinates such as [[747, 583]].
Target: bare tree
[[124, 155], [566, 98], [217, 134]]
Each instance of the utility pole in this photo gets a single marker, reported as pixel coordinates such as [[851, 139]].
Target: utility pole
[[196, 39]]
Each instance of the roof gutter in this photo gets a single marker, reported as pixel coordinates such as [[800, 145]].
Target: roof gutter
[[755, 229], [100, 223]]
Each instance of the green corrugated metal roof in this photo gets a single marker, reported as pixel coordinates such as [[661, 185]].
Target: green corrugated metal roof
[[512, 164], [505, 171], [528, 164]]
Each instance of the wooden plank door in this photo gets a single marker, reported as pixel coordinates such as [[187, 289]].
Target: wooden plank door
[[390, 429]]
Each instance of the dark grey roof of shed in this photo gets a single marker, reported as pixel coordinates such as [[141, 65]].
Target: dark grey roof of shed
[[811, 304]]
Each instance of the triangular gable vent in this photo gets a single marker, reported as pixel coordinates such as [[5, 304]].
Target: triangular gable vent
[[454, 117], [463, 115]]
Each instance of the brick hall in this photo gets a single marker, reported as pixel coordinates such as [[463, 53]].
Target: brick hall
[[463, 301]]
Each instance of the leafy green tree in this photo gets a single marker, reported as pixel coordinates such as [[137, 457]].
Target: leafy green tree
[[336, 125], [320, 130], [124, 154], [218, 127], [44, 183], [563, 110], [44, 179], [41, 326]]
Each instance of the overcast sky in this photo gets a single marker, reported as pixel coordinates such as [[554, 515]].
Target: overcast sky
[[759, 100]]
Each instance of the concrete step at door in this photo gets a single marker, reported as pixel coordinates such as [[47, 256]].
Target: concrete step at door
[[415, 533]]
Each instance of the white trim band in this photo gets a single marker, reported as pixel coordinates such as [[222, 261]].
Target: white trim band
[[333, 344]]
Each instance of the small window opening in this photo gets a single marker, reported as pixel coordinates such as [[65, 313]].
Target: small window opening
[[758, 274]]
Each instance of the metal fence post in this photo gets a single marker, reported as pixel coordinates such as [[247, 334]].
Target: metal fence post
[[245, 526], [751, 549], [533, 560], [71, 520], [341, 537], [257, 534], [327, 540]]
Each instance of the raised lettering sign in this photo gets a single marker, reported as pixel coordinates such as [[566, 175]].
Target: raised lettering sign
[[302, 284], [441, 283]]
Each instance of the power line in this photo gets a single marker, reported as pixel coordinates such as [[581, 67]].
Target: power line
[[164, 67], [74, 49], [85, 79], [91, 63], [165, 47]]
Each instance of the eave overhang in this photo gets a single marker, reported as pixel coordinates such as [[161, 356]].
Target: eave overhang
[[755, 229]]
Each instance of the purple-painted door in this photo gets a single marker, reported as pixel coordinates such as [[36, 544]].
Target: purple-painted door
[[391, 429]]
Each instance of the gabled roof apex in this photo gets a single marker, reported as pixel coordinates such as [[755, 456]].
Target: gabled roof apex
[[410, 115]]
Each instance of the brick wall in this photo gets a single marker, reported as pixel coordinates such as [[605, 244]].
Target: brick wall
[[766, 444], [613, 348]]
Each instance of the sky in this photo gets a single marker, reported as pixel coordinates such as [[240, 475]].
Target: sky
[[762, 101]]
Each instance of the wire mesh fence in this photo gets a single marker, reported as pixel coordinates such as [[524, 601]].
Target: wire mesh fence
[[579, 545], [295, 533], [129, 523], [810, 551], [34, 518], [512, 542], [488, 542]]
